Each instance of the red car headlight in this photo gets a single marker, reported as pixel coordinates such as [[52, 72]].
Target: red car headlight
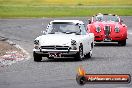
[[117, 29], [98, 29]]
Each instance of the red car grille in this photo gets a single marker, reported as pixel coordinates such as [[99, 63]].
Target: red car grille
[[107, 30]]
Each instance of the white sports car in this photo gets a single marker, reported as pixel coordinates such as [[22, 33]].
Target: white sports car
[[64, 38]]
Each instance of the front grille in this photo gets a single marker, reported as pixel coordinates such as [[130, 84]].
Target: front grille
[[107, 30], [55, 47]]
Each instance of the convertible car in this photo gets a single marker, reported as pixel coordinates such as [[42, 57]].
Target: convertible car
[[64, 38], [108, 28]]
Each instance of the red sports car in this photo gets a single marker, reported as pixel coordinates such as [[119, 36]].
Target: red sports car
[[108, 27]]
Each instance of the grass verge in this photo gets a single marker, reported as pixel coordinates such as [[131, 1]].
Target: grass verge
[[60, 11]]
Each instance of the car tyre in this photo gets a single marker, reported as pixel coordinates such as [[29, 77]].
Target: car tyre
[[37, 57], [81, 80], [89, 55], [122, 43]]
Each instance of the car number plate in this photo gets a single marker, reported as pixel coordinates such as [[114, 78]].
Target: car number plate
[[54, 54]]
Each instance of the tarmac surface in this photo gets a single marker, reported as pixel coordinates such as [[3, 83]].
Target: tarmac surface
[[108, 58]]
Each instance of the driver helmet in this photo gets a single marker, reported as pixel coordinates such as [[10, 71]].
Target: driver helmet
[[99, 17]]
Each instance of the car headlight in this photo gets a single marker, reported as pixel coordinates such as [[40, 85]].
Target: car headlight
[[98, 29], [36, 44], [117, 29], [73, 42]]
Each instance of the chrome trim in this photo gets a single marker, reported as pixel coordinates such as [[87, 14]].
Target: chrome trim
[[55, 47], [107, 30], [45, 51]]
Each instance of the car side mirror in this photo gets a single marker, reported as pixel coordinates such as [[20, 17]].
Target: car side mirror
[[89, 21]]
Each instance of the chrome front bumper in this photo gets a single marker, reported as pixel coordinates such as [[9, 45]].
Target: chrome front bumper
[[47, 51]]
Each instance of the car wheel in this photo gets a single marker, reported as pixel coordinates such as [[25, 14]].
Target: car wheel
[[37, 57], [122, 43], [89, 55], [81, 80], [79, 56]]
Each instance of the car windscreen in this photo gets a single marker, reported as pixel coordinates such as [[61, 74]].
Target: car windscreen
[[106, 18], [65, 27]]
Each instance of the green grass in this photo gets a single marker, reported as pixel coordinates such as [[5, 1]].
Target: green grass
[[62, 8], [66, 2]]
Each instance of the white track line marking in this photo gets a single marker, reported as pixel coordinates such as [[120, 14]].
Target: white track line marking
[[9, 62]]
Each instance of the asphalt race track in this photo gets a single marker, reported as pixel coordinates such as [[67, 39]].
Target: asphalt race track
[[107, 58]]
